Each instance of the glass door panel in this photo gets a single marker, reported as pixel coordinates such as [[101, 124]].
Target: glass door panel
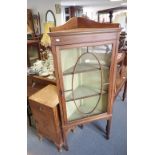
[[86, 79]]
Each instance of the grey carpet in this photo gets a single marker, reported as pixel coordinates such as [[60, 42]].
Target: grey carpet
[[89, 140]]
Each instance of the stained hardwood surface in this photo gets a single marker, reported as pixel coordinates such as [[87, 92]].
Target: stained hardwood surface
[[47, 96]]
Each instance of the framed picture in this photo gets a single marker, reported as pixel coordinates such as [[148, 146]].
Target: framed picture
[[57, 8], [36, 24], [30, 28]]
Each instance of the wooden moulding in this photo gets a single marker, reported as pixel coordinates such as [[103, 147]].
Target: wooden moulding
[[80, 22], [87, 120], [47, 96], [77, 29]]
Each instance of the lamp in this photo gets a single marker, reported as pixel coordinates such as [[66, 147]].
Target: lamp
[[45, 40]]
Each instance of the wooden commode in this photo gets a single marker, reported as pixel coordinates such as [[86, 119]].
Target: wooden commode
[[44, 106]]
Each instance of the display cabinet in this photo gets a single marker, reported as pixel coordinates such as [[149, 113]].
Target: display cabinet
[[85, 66]]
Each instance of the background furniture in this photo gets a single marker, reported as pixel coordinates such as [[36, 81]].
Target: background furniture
[[85, 67], [33, 51], [34, 84], [33, 37], [44, 105], [30, 26], [31, 89], [33, 25], [122, 42], [72, 11], [121, 76], [36, 24], [110, 12]]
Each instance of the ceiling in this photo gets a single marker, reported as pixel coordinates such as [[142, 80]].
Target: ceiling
[[105, 3]]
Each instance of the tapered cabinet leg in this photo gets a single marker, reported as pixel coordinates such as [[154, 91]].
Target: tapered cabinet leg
[[40, 137], [59, 148], [124, 92], [73, 129], [65, 146], [108, 126], [81, 126]]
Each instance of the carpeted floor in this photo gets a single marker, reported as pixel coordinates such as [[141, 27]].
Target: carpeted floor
[[89, 140]]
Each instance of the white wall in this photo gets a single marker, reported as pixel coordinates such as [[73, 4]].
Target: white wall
[[42, 6]]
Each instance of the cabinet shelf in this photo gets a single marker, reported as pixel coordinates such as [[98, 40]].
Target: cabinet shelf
[[82, 92], [83, 67]]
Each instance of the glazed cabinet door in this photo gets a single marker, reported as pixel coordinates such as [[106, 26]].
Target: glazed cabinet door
[[85, 75]]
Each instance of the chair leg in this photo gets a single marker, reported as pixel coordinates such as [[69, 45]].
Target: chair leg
[[124, 92], [108, 126]]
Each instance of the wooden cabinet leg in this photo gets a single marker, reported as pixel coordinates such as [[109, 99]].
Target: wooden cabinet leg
[[73, 129], [40, 137], [124, 92], [65, 146], [59, 148], [108, 126], [81, 126]]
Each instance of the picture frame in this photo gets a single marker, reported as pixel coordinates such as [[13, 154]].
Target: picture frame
[[57, 8], [30, 27], [36, 24]]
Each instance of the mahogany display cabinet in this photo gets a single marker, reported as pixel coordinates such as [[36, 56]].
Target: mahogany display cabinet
[[84, 54]]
